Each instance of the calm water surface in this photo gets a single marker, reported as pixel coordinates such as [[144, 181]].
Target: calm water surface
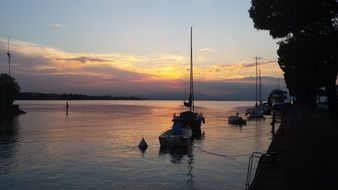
[[95, 146]]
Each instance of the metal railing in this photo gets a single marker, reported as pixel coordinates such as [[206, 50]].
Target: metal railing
[[248, 175]]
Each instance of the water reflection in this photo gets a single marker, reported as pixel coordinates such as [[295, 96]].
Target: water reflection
[[97, 144], [176, 156], [190, 175], [8, 139], [8, 130], [176, 153]]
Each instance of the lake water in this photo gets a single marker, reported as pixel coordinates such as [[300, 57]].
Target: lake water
[[95, 146]]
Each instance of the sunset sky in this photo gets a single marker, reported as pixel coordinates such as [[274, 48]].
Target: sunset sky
[[135, 47]]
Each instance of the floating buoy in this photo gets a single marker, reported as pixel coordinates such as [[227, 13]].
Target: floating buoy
[[143, 144]]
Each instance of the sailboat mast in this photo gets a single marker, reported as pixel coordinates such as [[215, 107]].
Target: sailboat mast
[[192, 107], [260, 86], [256, 83], [9, 58]]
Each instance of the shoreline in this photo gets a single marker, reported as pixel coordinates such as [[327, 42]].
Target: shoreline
[[306, 149]]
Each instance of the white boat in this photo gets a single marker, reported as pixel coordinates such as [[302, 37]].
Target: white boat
[[177, 136]]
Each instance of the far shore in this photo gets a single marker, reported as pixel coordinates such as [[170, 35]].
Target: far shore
[[53, 96]]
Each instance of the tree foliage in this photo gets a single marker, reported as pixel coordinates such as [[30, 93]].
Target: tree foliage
[[287, 17], [308, 33], [9, 90]]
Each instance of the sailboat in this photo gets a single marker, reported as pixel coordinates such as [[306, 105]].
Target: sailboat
[[258, 110], [187, 124]]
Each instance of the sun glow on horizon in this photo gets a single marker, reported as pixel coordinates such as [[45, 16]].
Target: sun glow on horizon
[[168, 71], [164, 66]]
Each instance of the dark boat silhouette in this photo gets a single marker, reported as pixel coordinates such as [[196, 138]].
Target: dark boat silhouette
[[187, 124]]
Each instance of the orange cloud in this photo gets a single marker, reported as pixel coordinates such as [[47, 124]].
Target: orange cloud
[[164, 66], [164, 71]]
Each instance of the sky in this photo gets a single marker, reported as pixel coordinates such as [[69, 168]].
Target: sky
[[136, 47]]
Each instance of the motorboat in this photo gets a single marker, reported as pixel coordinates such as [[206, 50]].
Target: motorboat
[[178, 135], [277, 99], [255, 112], [236, 120]]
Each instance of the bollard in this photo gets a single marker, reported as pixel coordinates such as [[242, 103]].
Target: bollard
[[273, 123]]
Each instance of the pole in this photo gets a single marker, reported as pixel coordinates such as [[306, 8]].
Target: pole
[[192, 107], [256, 83], [67, 107], [9, 58], [260, 87], [273, 123]]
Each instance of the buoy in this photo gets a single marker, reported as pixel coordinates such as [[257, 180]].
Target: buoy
[[143, 144]]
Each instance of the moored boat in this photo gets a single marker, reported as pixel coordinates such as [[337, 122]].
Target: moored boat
[[277, 99], [255, 113], [260, 109], [188, 124], [178, 135], [236, 120], [191, 119]]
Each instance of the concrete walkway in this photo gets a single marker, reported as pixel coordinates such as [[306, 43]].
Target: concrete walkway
[[307, 154]]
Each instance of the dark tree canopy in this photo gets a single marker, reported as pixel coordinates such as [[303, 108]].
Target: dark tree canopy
[[308, 31], [9, 90], [289, 17], [298, 58]]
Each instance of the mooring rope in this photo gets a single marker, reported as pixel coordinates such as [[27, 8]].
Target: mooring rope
[[219, 139], [231, 157], [226, 156]]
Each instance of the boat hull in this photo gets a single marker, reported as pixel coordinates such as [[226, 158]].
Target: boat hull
[[255, 112], [168, 138], [278, 106], [191, 120], [174, 141]]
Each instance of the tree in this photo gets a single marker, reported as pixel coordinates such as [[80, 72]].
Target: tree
[[9, 90], [308, 31], [285, 18], [298, 60]]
